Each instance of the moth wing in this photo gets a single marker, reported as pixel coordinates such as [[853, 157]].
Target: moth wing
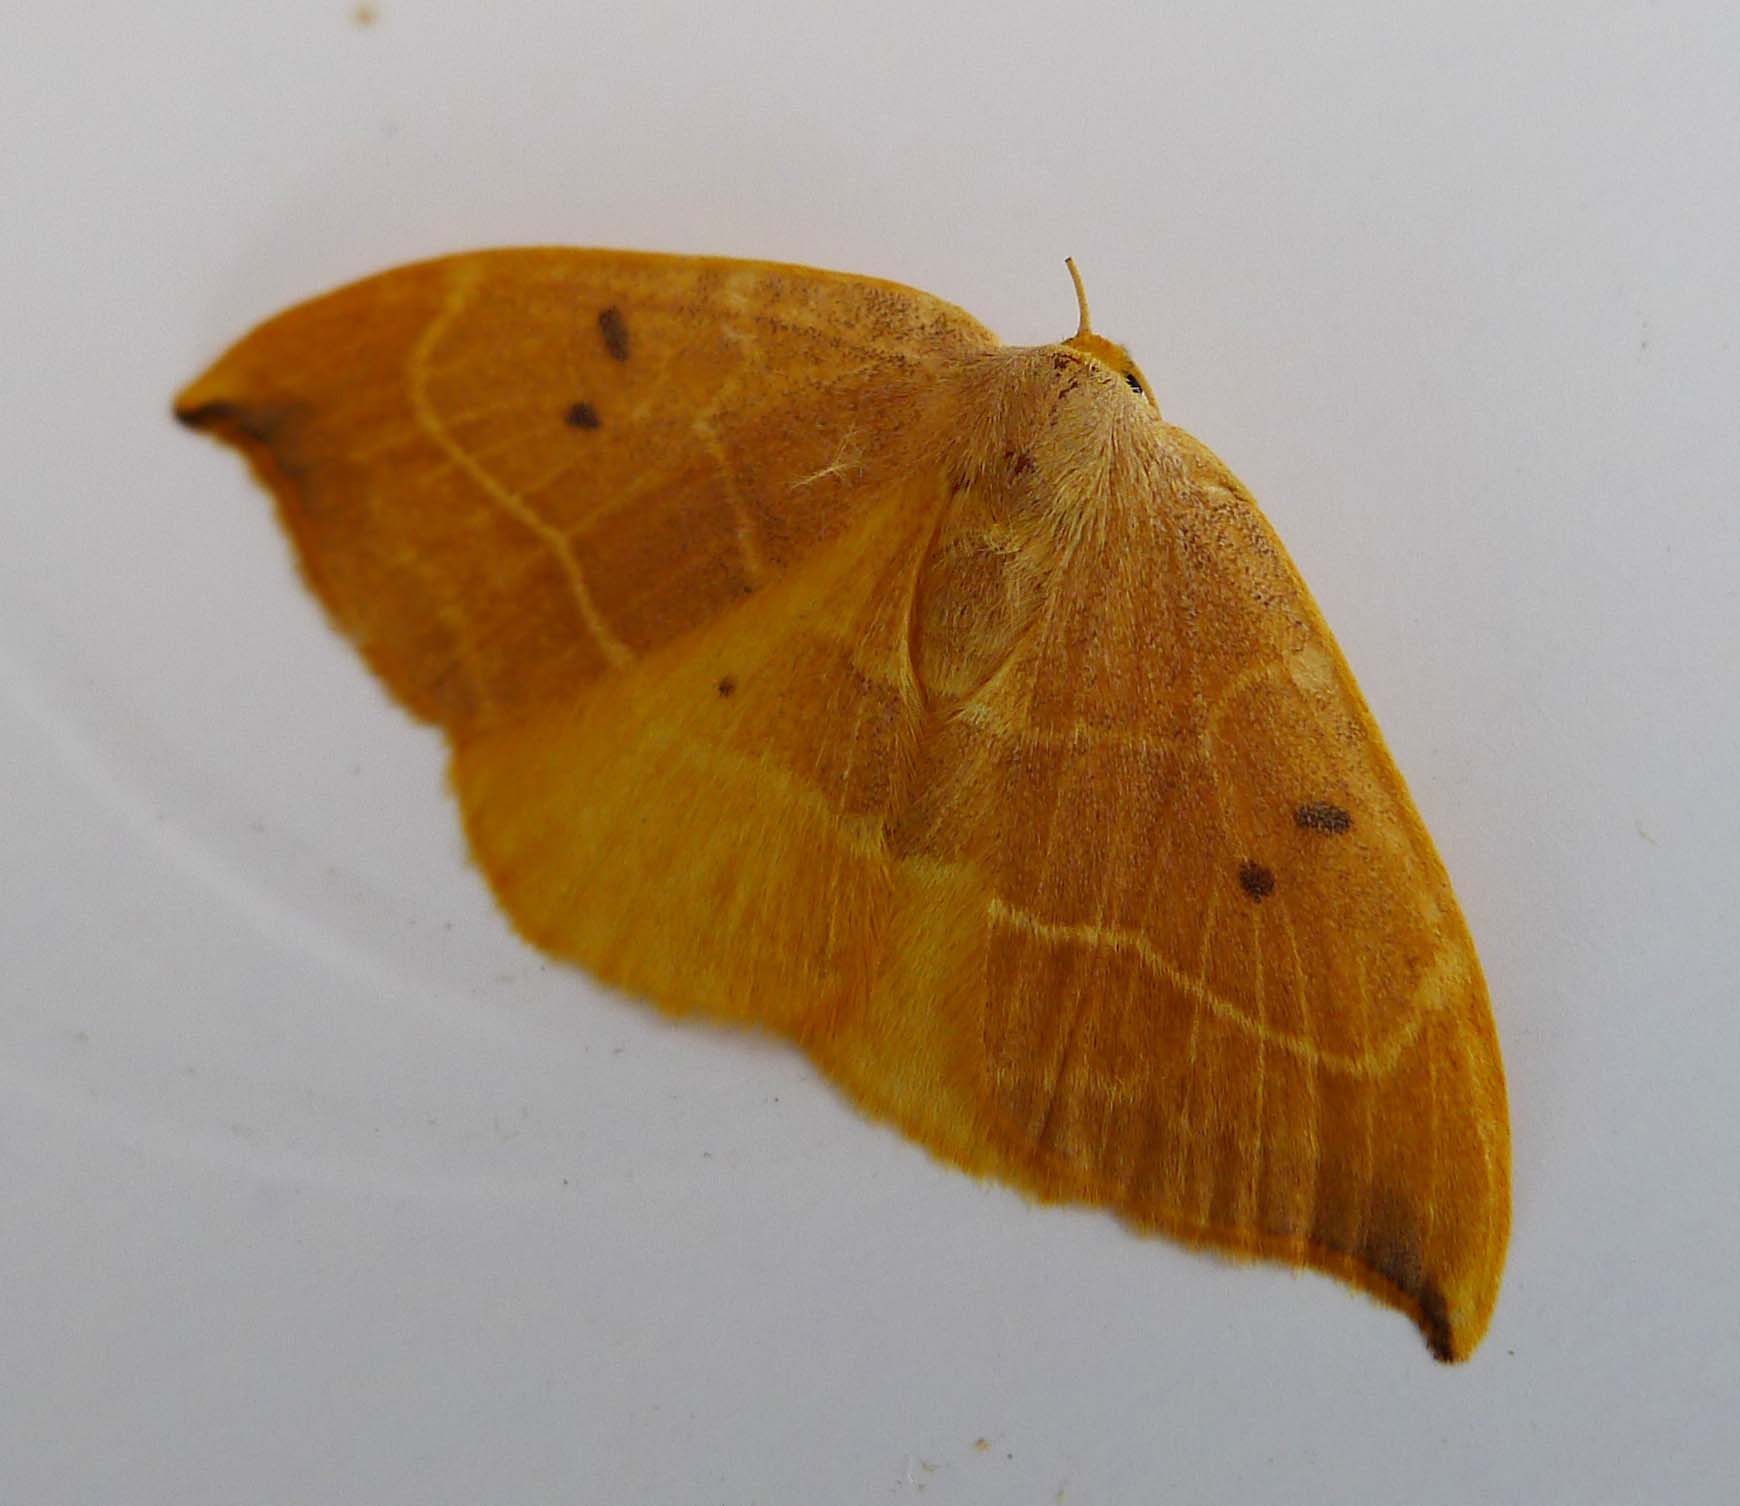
[[510, 472], [633, 530], [1197, 958]]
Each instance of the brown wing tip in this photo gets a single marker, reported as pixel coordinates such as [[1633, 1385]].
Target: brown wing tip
[[1451, 1305], [1450, 1336], [1450, 1300], [206, 417], [258, 428], [205, 406], [1442, 1339], [204, 402], [1452, 1329]]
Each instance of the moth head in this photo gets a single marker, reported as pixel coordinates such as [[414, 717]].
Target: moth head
[[1103, 351]]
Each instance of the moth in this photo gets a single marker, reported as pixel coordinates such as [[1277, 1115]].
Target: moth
[[811, 660]]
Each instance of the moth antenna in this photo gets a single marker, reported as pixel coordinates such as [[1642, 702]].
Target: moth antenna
[[1080, 297]]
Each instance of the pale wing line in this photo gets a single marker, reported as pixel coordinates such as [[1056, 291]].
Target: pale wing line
[[701, 425], [837, 805], [1188, 582], [489, 410], [854, 645], [1111, 874], [1262, 1063], [1088, 999], [391, 439], [746, 321], [609, 509], [862, 836], [614, 650], [1431, 1218], [601, 512], [466, 655], [1266, 669], [1376, 1062], [743, 920], [1144, 913], [1199, 987], [754, 565], [755, 568], [992, 906], [1314, 1149], [507, 441], [1480, 1107], [1370, 1108], [1043, 867], [983, 714], [1065, 1054], [1084, 1004]]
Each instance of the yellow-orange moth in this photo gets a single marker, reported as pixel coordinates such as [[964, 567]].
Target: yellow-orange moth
[[812, 660]]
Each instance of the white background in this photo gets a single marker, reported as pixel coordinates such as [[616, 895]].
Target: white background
[[316, 1186]]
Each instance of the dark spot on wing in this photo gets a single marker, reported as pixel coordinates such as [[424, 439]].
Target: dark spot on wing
[[1320, 815], [727, 686], [1021, 464], [615, 332], [1135, 384], [1256, 880], [581, 416]]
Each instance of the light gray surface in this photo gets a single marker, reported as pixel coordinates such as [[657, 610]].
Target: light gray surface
[[320, 1187]]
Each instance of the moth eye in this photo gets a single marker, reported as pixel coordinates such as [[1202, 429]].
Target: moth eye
[[1135, 384]]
